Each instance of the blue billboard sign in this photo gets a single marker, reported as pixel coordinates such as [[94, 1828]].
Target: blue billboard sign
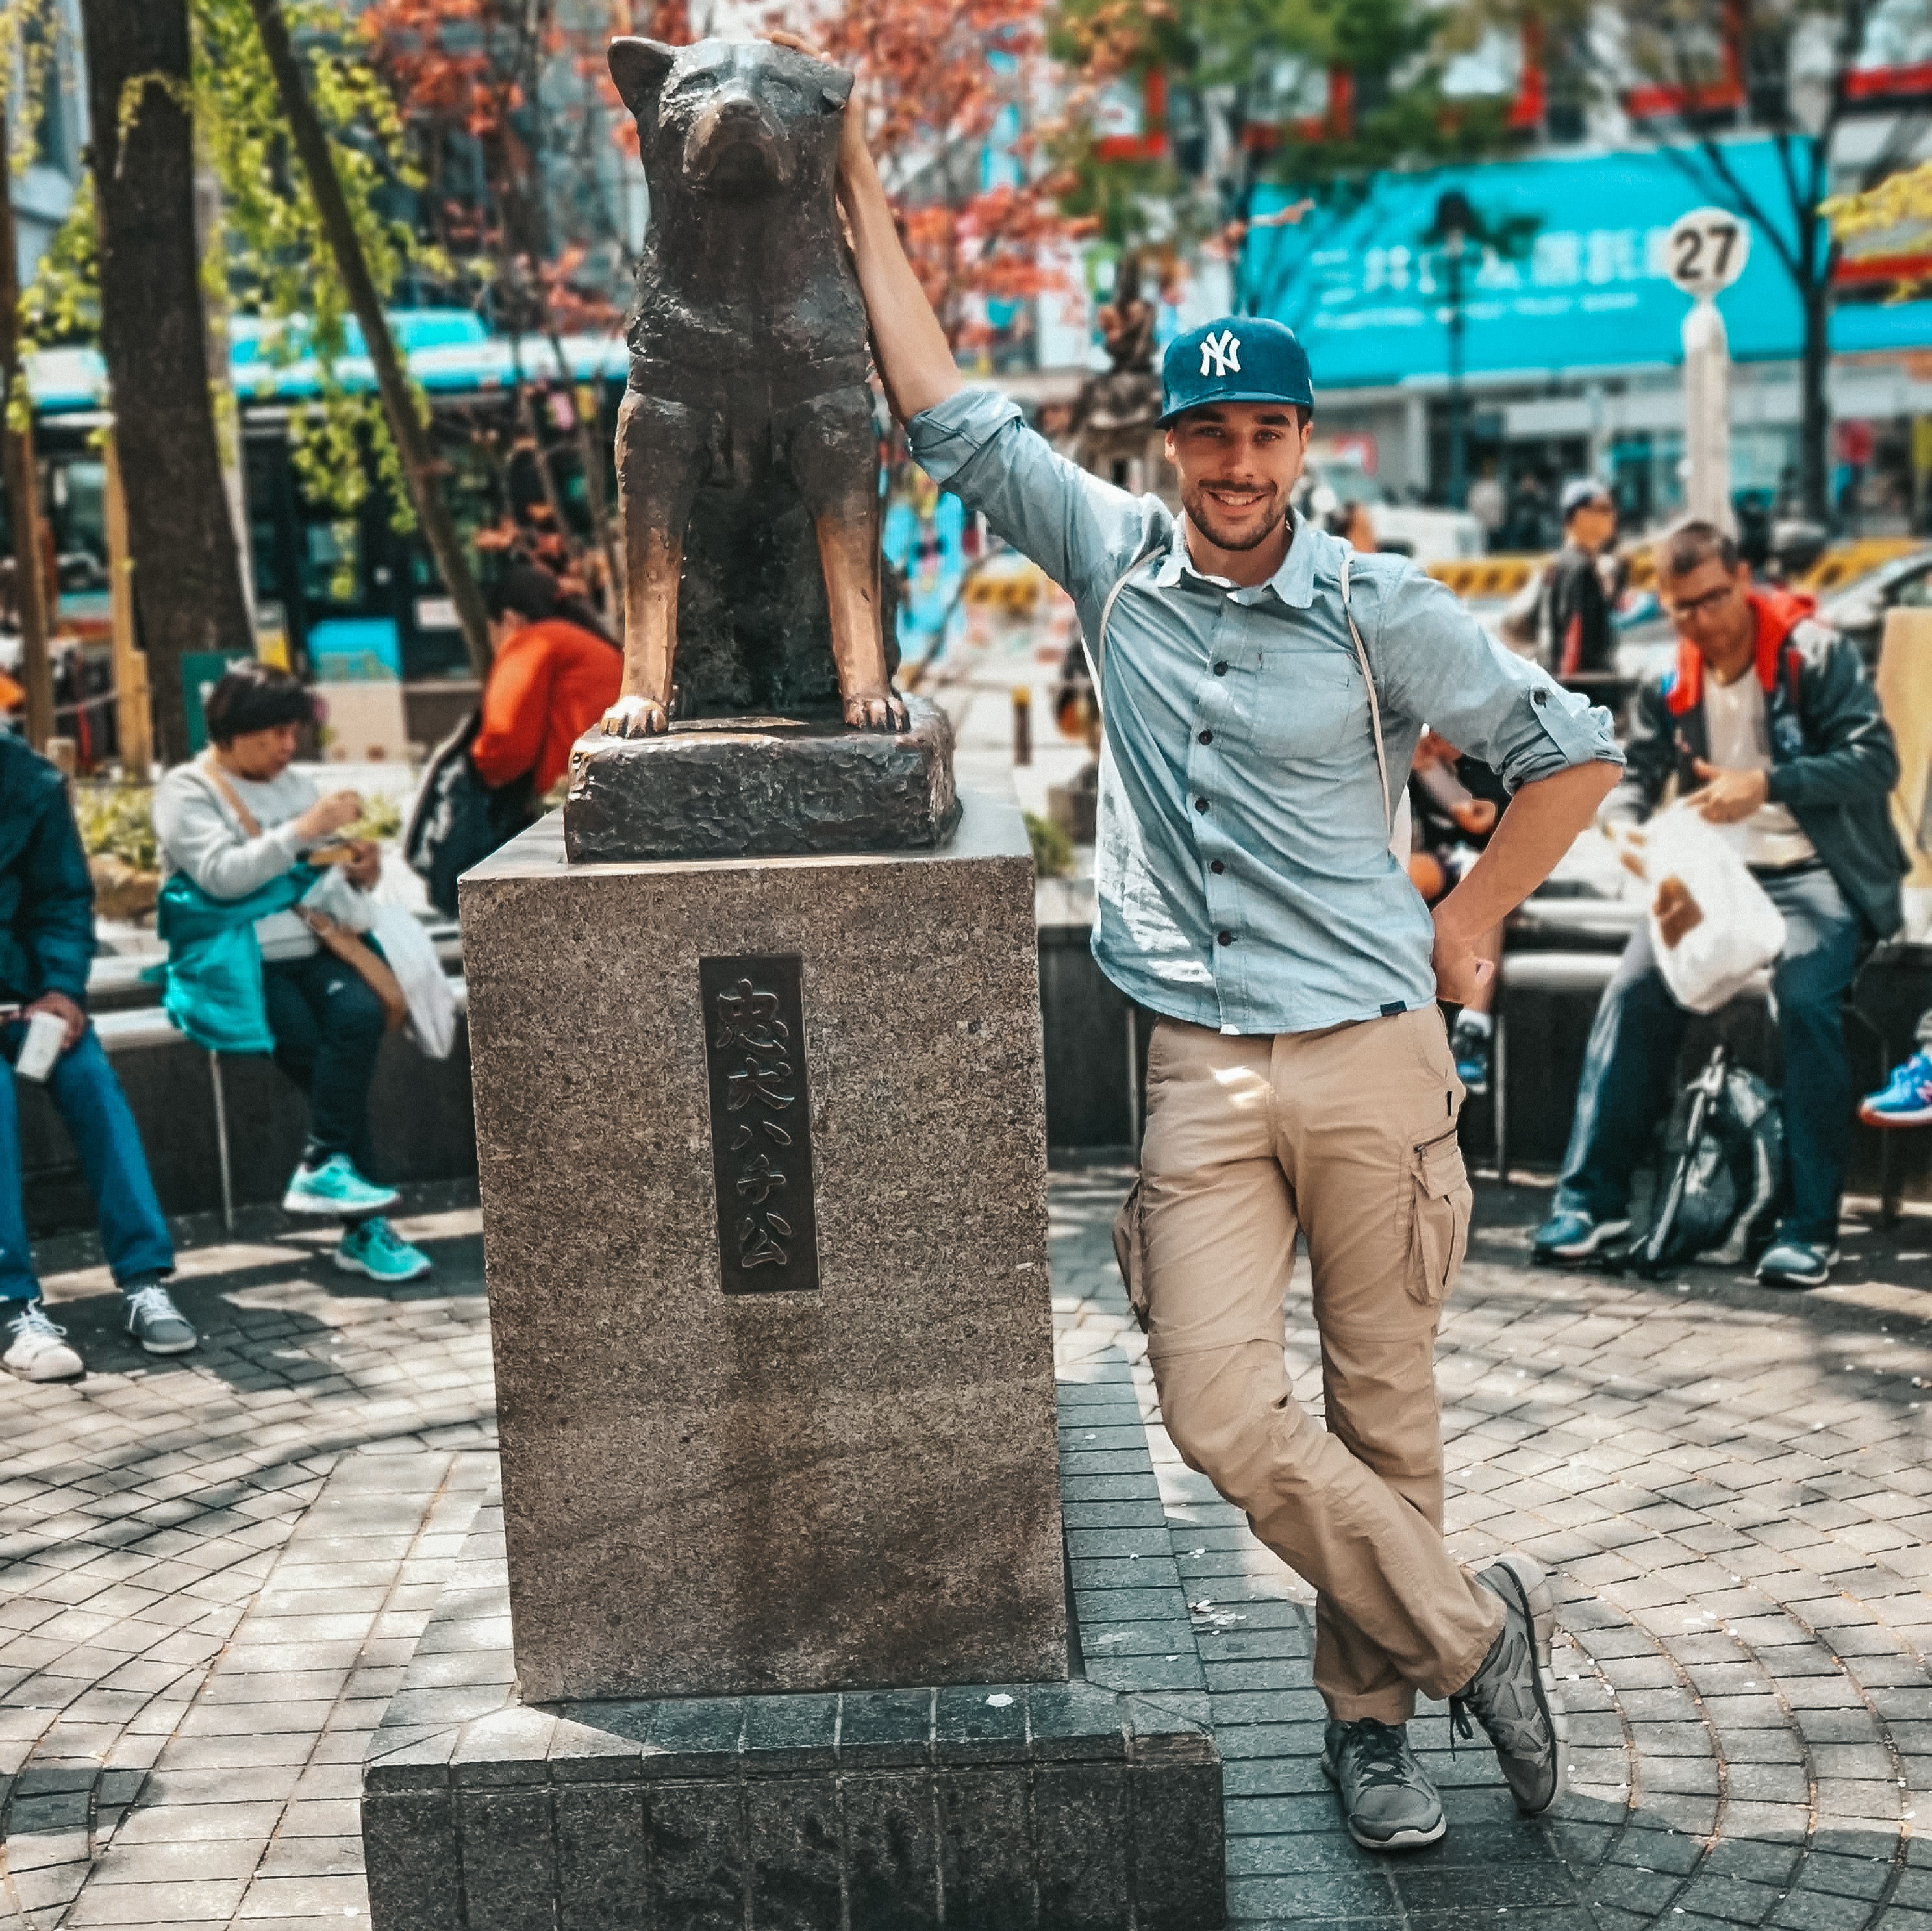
[[1364, 288]]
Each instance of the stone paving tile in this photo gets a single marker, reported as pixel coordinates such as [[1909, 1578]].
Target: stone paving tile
[[1731, 1488], [1724, 1484]]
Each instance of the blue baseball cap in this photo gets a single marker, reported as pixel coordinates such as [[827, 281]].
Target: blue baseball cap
[[1239, 358]]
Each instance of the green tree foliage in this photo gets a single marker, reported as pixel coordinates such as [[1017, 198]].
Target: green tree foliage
[[1266, 66], [270, 259]]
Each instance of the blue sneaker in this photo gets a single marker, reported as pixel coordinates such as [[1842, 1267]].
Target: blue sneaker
[[375, 1248], [1470, 1044], [1574, 1237], [335, 1188], [1905, 1099], [1796, 1264]]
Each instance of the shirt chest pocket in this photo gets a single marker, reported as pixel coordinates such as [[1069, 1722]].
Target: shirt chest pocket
[[1305, 703]]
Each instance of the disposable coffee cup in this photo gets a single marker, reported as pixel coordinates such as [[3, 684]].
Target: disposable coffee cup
[[46, 1033]]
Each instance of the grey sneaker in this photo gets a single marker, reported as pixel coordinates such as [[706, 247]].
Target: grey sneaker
[[1513, 1696], [156, 1323], [1387, 1800]]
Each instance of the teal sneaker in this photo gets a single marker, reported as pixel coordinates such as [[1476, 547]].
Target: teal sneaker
[[375, 1248], [336, 1189]]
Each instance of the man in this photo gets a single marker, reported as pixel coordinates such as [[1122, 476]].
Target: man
[[1769, 721], [1300, 1077], [47, 942], [1578, 634]]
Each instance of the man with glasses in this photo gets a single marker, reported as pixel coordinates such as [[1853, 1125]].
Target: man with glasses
[[1768, 722]]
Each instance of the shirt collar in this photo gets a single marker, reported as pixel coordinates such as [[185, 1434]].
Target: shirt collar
[[1294, 583]]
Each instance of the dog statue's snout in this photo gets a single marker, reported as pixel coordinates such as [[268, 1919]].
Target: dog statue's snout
[[735, 142]]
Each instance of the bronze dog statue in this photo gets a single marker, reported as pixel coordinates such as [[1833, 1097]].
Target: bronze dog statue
[[747, 456]]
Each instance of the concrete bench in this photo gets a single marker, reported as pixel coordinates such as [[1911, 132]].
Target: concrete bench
[[223, 1131]]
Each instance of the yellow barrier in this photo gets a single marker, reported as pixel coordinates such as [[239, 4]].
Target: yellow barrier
[[1485, 578], [1492, 577]]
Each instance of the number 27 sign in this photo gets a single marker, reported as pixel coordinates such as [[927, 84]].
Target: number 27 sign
[[1706, 250]]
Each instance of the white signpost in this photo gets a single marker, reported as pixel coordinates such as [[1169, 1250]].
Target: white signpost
[[1705, 252]]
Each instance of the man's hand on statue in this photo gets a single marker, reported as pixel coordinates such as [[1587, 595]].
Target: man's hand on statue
[[63, 1008], [1728, 795], [852, 148], [1461, 974]]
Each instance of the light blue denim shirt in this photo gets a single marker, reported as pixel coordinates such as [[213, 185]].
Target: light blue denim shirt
[[1242, 868]]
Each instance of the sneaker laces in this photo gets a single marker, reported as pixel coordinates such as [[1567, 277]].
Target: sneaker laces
[[378, 1233], [32, 1319], [154, 1301], [1377, 1755]]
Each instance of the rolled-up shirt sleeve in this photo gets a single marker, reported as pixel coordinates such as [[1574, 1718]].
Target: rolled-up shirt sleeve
[[1083, 532], [1434, 665]]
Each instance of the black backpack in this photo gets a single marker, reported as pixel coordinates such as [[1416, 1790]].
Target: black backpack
[[1721, 1178], [459, 820]]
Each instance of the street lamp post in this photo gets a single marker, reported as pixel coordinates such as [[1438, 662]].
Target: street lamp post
[[1454, 218]]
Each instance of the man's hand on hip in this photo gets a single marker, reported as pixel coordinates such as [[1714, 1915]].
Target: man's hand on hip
[[58, 1003], [1726, 796], [1460, 974]]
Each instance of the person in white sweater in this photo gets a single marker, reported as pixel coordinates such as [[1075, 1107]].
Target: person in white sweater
[[234, 820]]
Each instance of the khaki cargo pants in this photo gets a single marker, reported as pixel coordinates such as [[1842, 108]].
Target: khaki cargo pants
[[1347, 1136]]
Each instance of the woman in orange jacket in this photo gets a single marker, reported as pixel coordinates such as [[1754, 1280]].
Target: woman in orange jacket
[[552, 679]]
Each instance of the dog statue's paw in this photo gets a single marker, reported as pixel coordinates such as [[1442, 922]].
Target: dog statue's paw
[[635, 718], [886, 713]]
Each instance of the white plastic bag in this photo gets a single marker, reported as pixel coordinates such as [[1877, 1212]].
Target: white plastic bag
[[419, 971], [1712, 925], [334, 898]]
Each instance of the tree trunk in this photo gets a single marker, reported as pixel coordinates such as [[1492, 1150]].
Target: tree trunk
[[22, 474], [422, 468], [1814, 430], [187, 578]]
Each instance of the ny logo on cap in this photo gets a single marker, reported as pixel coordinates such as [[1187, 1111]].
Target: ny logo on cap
[[1223, 352]]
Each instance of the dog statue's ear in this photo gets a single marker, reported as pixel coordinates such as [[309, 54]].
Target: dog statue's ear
[[638, 67], [837, 89]]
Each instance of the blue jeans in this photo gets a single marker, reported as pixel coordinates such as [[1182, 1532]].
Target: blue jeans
[[1631, 1065], [104, 1134], [329, 1028]]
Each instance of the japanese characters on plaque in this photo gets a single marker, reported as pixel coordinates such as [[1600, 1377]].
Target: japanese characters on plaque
[[761, 1124]]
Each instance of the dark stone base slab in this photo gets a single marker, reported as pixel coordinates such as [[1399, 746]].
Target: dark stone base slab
[[756, 787], [1044, 1805]]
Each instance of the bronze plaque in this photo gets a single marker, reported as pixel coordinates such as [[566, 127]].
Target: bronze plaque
[[761, 1124]]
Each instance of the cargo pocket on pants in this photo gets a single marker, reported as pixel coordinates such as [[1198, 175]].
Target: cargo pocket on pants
[[1439, 1227], [1129, 1256]]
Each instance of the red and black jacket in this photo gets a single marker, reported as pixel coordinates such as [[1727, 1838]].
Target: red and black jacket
[[1833, 760]]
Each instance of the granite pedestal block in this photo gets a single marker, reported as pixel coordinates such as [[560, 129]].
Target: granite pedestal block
[[746, 1450], [736, 787], [1022, 1807]]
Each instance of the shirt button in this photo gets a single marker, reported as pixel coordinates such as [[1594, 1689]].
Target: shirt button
[[1200, 804], [1221, 668], [1539, 696], [1207, 737], [1226, 938], [1217, 866]]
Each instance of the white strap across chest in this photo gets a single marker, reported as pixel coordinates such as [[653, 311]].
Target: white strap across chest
[[1097, 658]]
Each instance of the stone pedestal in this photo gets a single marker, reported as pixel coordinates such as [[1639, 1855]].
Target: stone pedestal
[[762, 1163], [737, 787], [1062, 1806]]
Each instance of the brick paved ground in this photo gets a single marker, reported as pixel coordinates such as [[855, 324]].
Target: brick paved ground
[[1731, 1486]]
